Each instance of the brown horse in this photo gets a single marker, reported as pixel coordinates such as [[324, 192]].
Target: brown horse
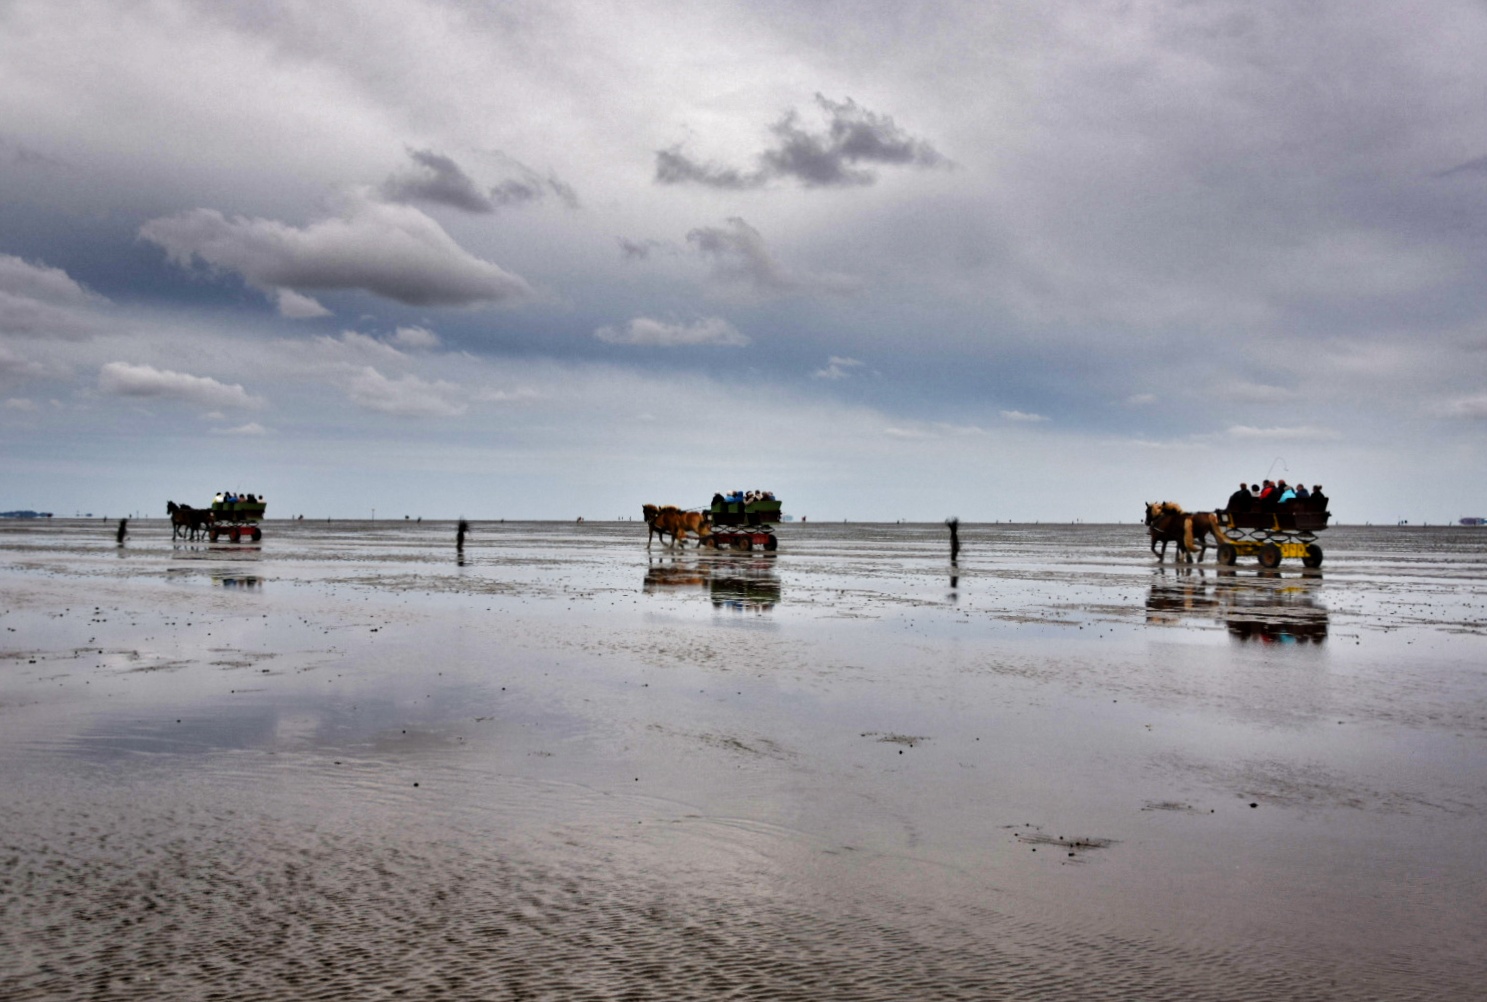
[[1202, 524], [671, 520], [185, 518], [1168, 523]]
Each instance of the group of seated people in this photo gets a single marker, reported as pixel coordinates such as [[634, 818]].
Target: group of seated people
[[1277, 495], [743, 497], [228, 497]]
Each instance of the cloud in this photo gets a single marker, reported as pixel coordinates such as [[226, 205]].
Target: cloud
[[40, 301], [836, 368], [436, 178], [394, 251], [440, 180], [12, 364], [1141, 399], [416, 338], [408, 396], [645, 330], [298, 307], [640, 250], [739, 257], [20, 404], [854, 139], [250, 430], [1023, 416], [356, 348], [1470, 408], [125, 380], [1299, 432], [1256, 393]]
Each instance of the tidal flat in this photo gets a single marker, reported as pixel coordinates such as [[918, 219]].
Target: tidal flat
[[354, 762]]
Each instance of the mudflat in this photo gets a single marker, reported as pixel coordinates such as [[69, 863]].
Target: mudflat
[[353, 762]]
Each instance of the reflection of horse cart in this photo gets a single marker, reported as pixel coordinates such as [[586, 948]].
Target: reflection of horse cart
[[237, 520], [743, 522], [1271, 536]]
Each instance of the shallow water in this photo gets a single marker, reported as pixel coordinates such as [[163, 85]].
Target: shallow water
[[354, 762]]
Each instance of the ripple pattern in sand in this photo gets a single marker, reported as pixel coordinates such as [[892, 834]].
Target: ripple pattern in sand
[[221, 906]]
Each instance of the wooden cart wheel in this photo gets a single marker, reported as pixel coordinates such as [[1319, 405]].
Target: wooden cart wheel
[[743, 542], [236, 535], [214, 533], [1270, 556], [1313, 556], [257, 534], [772, 543], [1227, 555]]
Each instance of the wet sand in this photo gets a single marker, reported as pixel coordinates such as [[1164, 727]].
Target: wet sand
[[347, 764]]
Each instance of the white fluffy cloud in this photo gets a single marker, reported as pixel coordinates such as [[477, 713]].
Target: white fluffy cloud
[[394, 251], [645, 330], [143, 381]]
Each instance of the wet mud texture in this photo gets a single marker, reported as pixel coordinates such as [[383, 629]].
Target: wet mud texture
[[353, 764], [241, 908]]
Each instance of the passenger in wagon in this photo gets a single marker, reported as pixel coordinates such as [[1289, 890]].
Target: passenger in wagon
[[1241, 500], [1318, 500]]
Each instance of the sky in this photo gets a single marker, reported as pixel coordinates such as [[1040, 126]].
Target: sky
[[1021, 261]]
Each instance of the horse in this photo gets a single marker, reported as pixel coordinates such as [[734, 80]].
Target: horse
[[192, 520], [651, 514], [1202, 524], [1168, 523], [671, 520]]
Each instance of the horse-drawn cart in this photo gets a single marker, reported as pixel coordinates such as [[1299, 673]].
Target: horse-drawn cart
[[743, 522], [1271, 536], [238, 519]]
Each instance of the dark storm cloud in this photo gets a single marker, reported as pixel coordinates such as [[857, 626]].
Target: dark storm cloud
[[675, 167], [439, 180], [853, 140]]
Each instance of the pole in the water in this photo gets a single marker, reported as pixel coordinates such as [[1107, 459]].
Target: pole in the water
[[459, 534]]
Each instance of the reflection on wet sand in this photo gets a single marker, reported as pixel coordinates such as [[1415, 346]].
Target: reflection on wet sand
[[744, 584], [1264, 607]]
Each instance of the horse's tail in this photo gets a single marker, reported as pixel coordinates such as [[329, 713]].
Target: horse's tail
[[1218, 530], [1187, 534]]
